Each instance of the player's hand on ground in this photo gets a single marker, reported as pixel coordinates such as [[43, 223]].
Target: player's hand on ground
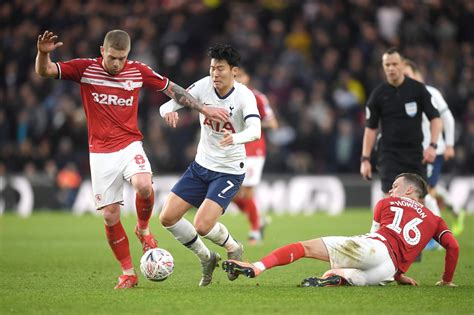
[[227, 140], [405, 280], [366, 170], [46, 42], [429, 155], [216, 114], [171, 119], [443, 283], [449, 153]]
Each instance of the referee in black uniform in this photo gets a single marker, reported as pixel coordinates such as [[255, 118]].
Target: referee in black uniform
[[397, 105]]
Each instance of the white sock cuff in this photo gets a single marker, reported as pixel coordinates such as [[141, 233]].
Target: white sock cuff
[[219, 235], [215, 231], [259, 265]]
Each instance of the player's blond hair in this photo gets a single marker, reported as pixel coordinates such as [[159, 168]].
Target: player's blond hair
[[117, 39]]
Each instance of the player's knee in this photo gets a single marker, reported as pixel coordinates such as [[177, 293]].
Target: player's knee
[[144, 190], [202, 227], [315, 248], [166, 219], [111, 216]]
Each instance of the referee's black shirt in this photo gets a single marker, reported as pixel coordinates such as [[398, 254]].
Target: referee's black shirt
[[399, 111]]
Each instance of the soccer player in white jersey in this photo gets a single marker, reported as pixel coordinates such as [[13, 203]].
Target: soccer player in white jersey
[[110, 87], [213, 179], [445, 146]]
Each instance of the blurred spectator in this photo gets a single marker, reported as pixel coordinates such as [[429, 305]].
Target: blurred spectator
[[316, 60], [68, 181]]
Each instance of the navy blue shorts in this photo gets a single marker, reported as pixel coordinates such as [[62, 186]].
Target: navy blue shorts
[[434, 170], [199, 183]]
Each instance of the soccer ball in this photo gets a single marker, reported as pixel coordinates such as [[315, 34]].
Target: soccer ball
[[157, 264]]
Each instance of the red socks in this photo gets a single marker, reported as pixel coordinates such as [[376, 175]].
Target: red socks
[[118, 241], [283, 256], [144, 209], [248, 206]]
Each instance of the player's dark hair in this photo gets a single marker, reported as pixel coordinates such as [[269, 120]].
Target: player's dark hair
[[421, 188], [393, 50], [117, 39], [225, 52], [412, 65]]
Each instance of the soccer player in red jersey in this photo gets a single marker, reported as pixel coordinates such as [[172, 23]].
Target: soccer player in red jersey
[[401, 229], [110, 87], [256, 152]]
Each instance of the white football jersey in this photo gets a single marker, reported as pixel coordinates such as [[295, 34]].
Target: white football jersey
[[447, 118], [241, 104]]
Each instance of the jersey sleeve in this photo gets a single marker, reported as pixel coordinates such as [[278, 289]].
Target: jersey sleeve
[[196, 89], [426, 102], [73, 69], [249, 105], [251, 117], [264, 108], [372, 111], [378, 210], [446, 115], [441, 230], [447, 240], [152, 79]]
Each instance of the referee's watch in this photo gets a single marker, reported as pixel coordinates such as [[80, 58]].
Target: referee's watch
[[364, 158], [434, 145]]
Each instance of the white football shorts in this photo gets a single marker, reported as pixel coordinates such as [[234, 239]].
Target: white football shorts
[[362, 260], [253, 176], [108, 171]]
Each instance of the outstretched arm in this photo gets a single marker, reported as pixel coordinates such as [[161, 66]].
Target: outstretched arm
[[451, 259], [43, 65], [183, 98]]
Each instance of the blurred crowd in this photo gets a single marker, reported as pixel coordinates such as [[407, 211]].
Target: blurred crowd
[[316, 60]]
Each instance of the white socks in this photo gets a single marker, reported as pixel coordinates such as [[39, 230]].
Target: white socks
[[129, 272], [432, 204], [259, 265], [220, 235], [186, 234]]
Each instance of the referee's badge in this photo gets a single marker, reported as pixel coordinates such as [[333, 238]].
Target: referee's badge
[[411, 109]]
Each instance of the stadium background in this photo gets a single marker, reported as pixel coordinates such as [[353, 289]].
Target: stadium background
[[316, 60]]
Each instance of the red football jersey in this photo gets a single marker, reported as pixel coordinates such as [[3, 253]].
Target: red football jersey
[[111, 101], [407, 226], [258, 147]]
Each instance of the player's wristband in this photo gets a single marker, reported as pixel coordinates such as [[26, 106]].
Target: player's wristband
[[364, 158], [434, 145]]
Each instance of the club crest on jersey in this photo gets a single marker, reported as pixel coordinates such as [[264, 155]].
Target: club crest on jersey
[[411, 109], [231, 108], [218, 126], [129, 85]]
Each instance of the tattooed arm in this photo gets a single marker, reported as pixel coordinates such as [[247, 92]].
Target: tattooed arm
[[183, 98]]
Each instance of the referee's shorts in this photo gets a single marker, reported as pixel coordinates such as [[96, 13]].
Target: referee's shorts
[[390, 166]]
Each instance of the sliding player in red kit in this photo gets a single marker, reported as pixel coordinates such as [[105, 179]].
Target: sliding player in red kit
[[401, 229]]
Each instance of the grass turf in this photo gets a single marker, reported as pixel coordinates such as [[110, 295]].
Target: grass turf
[[57, 263]]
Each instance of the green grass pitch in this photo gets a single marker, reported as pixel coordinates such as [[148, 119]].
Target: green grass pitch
[[57, 263]]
